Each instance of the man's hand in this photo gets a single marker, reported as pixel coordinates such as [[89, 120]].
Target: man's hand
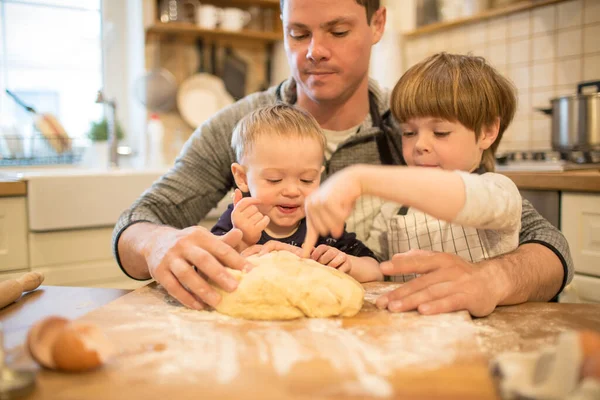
[[171, 255], [332, 257], [271, 245], [447, 283], [247, 218]]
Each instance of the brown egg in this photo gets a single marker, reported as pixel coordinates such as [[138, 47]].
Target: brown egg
[[41, 337], [590, 342], [80, 347]]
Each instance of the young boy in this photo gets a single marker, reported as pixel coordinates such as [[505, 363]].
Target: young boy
[[453, 110], [280, 152]]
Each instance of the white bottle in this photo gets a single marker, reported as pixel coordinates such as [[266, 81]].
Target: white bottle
[[156, 131]]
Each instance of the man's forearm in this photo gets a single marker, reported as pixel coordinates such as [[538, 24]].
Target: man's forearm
[[131, 244], [530, 273]]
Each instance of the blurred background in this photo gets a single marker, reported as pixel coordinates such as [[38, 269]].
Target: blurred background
[[98, 97]]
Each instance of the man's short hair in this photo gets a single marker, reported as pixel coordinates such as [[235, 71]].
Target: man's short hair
[[370, 6]]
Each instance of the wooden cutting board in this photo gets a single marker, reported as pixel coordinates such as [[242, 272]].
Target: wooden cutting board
[[170, 352]]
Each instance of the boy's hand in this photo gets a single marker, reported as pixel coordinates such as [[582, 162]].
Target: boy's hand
[[328, 207], [332, 257], [247, 218]]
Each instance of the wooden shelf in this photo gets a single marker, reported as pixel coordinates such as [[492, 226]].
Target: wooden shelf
[[188, 29], [488, 14]]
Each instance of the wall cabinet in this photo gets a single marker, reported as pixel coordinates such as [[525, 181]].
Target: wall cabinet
[[13, 234]]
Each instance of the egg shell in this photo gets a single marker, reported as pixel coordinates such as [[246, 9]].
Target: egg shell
[[81, 347], [41, 338]]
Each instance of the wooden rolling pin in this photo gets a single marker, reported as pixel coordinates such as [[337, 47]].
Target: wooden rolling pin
[[12, 289]]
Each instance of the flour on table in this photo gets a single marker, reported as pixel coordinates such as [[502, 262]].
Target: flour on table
[[363, 356], [373, 294]]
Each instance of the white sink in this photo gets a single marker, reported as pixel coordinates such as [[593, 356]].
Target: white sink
[[76, 198]]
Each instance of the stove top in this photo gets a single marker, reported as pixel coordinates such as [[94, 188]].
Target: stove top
[[546, 160]]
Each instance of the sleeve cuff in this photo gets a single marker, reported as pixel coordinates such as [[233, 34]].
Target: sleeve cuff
[[116, 248], [562, 261]]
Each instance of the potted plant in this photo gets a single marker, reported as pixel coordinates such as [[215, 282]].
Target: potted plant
[[99, 131], [97, 154]]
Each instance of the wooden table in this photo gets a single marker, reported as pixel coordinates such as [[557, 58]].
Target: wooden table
[[168, 351]]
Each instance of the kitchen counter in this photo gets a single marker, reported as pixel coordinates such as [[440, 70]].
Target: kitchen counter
[[167, 350], [13, 188], [573, 181], [568, 181]]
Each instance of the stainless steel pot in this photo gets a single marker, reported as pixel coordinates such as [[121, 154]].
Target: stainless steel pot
[[576, 119]]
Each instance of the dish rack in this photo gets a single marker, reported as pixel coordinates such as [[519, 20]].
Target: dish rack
[[40, 150]]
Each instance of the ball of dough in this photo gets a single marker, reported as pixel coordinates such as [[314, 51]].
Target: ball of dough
[[284, 286]]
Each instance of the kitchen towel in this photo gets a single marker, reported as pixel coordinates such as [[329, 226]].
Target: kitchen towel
[[549, 374]]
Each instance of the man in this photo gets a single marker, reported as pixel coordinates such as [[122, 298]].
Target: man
[[328, 44]]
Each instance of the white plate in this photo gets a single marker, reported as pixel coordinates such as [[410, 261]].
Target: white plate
[[200, 97]]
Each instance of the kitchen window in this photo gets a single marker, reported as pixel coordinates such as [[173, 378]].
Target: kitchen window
[[51, 58]]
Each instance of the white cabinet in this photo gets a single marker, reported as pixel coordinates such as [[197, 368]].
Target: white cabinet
[[77, 258], [13, 234], [580, 222]]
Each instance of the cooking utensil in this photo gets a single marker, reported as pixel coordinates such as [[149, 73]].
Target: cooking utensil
[[203, 94], [11, 289], [13, 384], [235, 71], [48, 126], [576, 119], [157, 88]]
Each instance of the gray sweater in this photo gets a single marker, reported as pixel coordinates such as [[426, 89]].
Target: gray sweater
[[202, 176]]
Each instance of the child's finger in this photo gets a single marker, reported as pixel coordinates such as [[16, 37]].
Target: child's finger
[[252, 250], [345, 267], [329, 255], [246, 202], [331, 224], [255, 218], [263, 223], [237, 196], [319, 251], [269, 247], [315, 219], [338, 260], [310, 239]]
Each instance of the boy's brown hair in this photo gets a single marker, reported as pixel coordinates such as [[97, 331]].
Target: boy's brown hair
[[281, 120], [370, 6], [461, 88]]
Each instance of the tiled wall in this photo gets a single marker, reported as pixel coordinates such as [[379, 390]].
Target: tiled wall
[[545, 51]]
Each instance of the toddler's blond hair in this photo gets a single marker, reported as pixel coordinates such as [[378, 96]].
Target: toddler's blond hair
[[279, 120]]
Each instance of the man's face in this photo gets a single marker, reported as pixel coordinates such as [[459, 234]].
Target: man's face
[[328, 45]]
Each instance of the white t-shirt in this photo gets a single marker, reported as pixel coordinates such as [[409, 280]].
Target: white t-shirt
[[335, 138]]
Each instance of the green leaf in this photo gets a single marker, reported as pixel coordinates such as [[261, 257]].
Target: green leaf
[[99, 131]]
